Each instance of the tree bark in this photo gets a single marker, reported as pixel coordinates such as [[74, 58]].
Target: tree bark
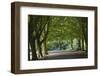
[[45, 51], [45, 46], [34, 55], [40, 48]]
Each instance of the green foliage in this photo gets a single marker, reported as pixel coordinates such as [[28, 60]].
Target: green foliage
[[56, 31], [64, 28], [67, 28]]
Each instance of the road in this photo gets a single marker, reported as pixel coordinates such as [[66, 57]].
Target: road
[[64, 55]]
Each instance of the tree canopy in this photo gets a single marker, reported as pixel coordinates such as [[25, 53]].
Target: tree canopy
[[57, 31]]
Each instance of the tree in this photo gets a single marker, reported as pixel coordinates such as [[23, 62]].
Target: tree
[[31, 37], [38, 31], [43, 31]]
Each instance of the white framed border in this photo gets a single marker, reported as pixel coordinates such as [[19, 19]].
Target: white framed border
[[25, 64]]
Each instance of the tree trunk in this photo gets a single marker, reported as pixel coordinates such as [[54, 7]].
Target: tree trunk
[[82, 44], [79, 44], [29, 55], [29, 50], [39, 48], [72, 44], [45, 46], [33, 49]]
